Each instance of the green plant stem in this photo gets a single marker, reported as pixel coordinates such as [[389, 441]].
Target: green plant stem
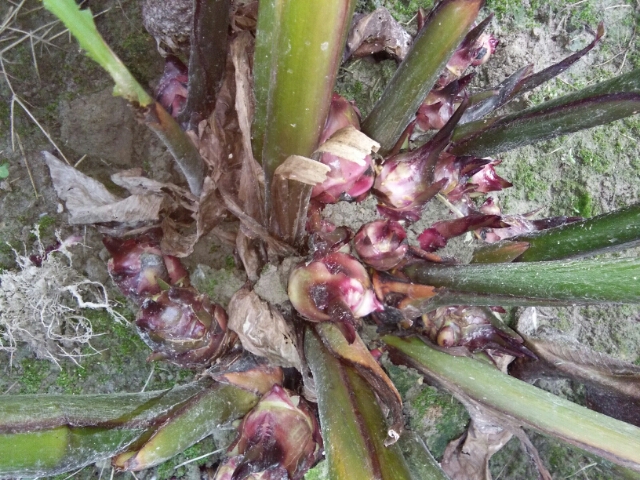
[[353, 426], [50, 434], [298, 50], [597, 105], [420, 460], [444, 30], [43, 435], [194, 421], [612, 439], [611, 230], [577, 281], [80, 23], [179, 144], [299, 47]]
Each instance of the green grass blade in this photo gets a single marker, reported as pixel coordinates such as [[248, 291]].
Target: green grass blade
[[616, 229], [80, 24], [567, 282], [597, 105], [443, 32], [612, 439]]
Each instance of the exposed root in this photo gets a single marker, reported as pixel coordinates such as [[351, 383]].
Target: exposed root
[[42, 306]]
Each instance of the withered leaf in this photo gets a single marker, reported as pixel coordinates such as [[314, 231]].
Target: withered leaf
[[262, 329], [377, 32], [303, 170], [350, 144], [467, 457], [88, 201]]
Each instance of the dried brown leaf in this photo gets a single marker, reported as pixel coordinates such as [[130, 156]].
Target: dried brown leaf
[[88, 201], [350, 144], [262, 329], [377, 32], [303, 170], [467, 457]]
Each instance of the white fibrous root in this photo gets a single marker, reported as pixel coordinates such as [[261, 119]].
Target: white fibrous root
[[42, 305]]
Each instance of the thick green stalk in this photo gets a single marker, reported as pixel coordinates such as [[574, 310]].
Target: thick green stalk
[[438, 39], [353, 425], [44, 435], [602, 103], [612, 439], [299, 47], [50, 434], [577, 281], [298, 51]]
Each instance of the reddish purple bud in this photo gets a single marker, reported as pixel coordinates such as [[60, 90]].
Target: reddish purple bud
[[380, 244], [406, 181], [172, 90], [470, 327], [520, 224], [334, 288], [456, 171], [184, 327], [346, 180], [439, 233], [403, 186], [474, 50], [137, 264], [342, 113], [431, 240], [279, 439], [490, 207], [438, 107], [337, 239], [487, 180]]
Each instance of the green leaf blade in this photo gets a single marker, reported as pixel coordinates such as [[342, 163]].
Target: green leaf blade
[[80, 23], [612, 439], [571, 282], [419, 71], [597, 105]]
